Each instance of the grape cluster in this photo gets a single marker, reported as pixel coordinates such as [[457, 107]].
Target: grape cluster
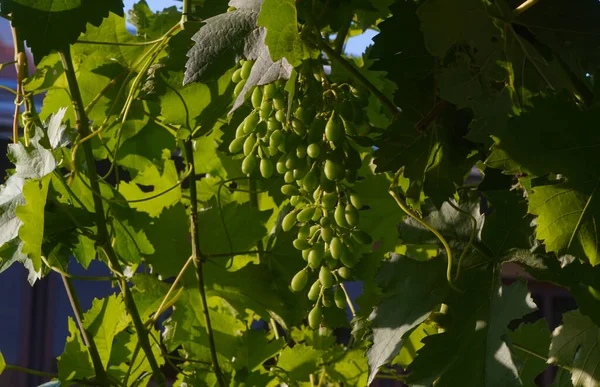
[[309, 141]]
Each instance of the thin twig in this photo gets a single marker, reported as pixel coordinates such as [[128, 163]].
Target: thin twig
[[48, 375], [161, 307], [199, 259], [83, 128], [524, 7], [471, 238], [148, 43]]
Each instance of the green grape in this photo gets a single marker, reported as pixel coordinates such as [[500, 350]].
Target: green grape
[[351, 215], [317, 194], [239, 87], [326, 299], [301, 244], [276, 138], [313, 150], [306, 214], [236, 145], [344, 272], [304, 232], [236, 77], [349, 127], [278, 103], [251, 121], [291, 162], [249, 144], [256, 98], [337, 248], [333, 129], [239, 132], [288, 221], [333, 171], [266, 168], [329, 200], [326, 277], [280, 166], [305, 254], [290, 190], [273, 124], [299, 173], [313, 230], [288, 177], [298, 127], [249, 164], [325, 221], [315, 256], [317, 215], [331, 262], [295, 200], [314, 317], [272, 150], [265, 110], [299, 281], [340, 298], [348, 259], [310, 181], [340, 216], [269, 90], [362, 237], [301, 151], [355, 200], [327, 234], [280, 115], [246, 68], [315, 289]]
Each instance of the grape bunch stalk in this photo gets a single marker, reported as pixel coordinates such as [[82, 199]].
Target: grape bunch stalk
[[310, 141]]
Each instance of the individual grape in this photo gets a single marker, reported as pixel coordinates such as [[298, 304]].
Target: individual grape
[[326, 299], [355, 200], [269, 90], [291, 162], [301, 151], [329, 200], [249, 144], [278, 103], [344, 272], [306, 214], [333, 170], [333, 129], [301, 244], [256, 98], [289, 177], [299, 281], [314, 317], [249, 164], [288, 221], [298, 127], [313, 230], [340, 298], [239, 87], [299, 173], [236, 77], [349, 259], [326, 277], [236, 145], [295, 200], [239, 132], [351, 215], [315, 256], [280, 166], [246, 68], [337, 248], [315, 289], [273, 124], [265, 110], [340, 216], [251, 121], [331, 262], [290, 190], [310, 181], [362, 237], [313, 150], [266, 168], [276, 138], [317, 215], [280, 115], [325, 221], [305, 254], [327, 234]]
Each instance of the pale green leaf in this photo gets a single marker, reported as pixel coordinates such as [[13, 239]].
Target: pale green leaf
[[75, 361]]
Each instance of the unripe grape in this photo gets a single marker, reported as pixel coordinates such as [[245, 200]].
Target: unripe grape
[[329, 200], [315, 256], [304, 232], [295, 200], [305, 254], [276, 138], [239, 132], [266, 168], [298, 127], [273, 124], [289, 177], [280, 115], [333, 171], [265, 110], [278, 103], [310, 181], [327, 233], [362, 237], [340, 298], [290, 190], [326, 277], [301, 151], [331, 262], [313, 150], [246, 68], [351, 215], [349, 259], [299, 173], [326, 299], [251, 121], [333, 129], [249, 144], [269, 90], [317, 194], [288, 221], [314, 291], [325, 221], [344, 272], [301, 244], [236, 145], [337, 248], [280, 166], [236, 77], [340, 216], [355, 200], [313, 229], [239, 87], [306, 214], [299, 281], [249, 164], [317, 215], [314, 317], [291, 162], [256, 98]]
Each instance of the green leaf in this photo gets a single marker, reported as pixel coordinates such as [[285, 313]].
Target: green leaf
[[413, 290], [257, 349], [474, 340], [413, 343], [50, 25], [351, 369], [152, 25], [279, 18], [2, 363], [567, 209], [223, 40], [11, 197], [75, 361], [298, 363], [31, 214], [34, 161], [575, 344], [534, 337], [105, 319]]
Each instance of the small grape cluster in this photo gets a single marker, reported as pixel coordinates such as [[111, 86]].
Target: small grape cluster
[[312, 149]]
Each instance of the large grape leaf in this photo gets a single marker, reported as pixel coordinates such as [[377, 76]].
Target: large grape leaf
[[75, 361], [413, 289], [576, 344], [298, 363], [534, 337], [50, 25], [474, 340], [555, 136]]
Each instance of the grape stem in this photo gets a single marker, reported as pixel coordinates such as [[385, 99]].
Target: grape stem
[[471, 238], [427, 226], [199, 259]]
